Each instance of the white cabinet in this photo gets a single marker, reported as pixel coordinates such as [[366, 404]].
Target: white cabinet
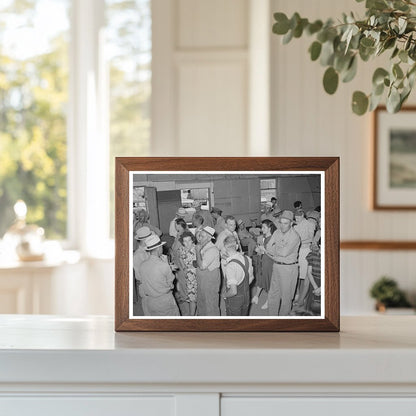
[[88, 406], [323, 406], [52, 365]]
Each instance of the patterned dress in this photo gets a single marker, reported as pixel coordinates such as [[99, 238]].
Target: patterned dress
[[188, 257]]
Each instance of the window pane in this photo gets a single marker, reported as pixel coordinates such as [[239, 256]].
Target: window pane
[[129, 52], [33, 100], [267, 183], [267, 195]]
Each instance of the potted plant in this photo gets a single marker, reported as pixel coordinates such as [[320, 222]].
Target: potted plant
[[387, 294]]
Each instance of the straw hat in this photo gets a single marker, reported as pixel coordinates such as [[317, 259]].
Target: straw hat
[[143, 233], [181, 212], [153, 242]]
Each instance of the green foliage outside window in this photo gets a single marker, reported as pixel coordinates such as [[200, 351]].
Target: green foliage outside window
[[33, 99], [34, 104]]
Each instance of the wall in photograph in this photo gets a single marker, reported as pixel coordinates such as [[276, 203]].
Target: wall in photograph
[[241, 197]]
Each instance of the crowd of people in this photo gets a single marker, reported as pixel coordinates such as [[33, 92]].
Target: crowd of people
[[218, 265]]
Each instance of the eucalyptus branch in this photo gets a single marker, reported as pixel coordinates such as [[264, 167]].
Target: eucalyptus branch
[[339, 47]]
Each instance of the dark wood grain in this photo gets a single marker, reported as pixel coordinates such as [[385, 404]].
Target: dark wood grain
[[378, 245], [376, 205], [329, 165]]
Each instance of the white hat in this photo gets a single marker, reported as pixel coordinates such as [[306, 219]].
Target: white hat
[[209, 230], [143, 233], [181, 212], [154, 242]]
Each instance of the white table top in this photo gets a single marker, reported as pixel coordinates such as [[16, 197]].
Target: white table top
[[50, 332], [376, 349]]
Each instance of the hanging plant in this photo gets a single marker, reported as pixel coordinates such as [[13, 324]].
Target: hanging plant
[[389, 27]]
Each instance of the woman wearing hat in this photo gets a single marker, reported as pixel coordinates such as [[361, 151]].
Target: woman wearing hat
[[156, 280]]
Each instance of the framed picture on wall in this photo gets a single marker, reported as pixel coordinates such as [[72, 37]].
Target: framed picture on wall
[[394, 178], [227, 244]]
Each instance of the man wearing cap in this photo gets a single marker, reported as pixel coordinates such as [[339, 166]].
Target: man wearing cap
[[207, 274], [283, 250], [180, 213], [238, 276], [139, 256], [306, 231], [156, 280], [208, 220], [230, 230], [141, 219], [219, 220]]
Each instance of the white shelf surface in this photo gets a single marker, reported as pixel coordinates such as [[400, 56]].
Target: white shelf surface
[[372, 350]]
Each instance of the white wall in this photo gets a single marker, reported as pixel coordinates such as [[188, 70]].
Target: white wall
[[200, 77], [210, 97]]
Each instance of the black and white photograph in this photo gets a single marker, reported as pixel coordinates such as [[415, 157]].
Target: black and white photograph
[[226, 244]]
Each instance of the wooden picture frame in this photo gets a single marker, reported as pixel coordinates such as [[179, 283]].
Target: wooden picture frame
[[391, 175], [326, 167]]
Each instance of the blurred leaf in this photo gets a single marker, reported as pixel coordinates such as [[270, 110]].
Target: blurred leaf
[[403, 56], [374, 101], [281, 27], [376, 4], [408, 42], [402, 22], [314, 27], [393, 101], [288, 37], [359, 103], [379, 75], [397, 71], [327, 53], [351, 71], [315, 50], [395, 52], [330, 80]]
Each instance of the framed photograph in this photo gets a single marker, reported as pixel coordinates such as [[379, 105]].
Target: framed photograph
[[227, 244], [394, 182]]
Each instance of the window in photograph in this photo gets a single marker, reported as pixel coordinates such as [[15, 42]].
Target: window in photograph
[[129, 56], [139, 200], [192, 197], [267, 190], [33, 107]]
